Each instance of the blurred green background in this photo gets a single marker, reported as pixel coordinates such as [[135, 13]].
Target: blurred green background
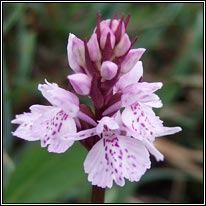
[[34, 48]]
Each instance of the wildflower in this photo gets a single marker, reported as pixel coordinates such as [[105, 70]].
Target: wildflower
[[120, 130], [53, 125], [116, 155]]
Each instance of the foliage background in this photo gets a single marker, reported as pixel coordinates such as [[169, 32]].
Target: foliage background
[[34, 48]]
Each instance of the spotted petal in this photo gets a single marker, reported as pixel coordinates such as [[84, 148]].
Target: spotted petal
[[143, 123], [54, 128], [116, 157]]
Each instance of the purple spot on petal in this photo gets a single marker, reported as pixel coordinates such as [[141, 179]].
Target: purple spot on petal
[[116, 144], [143, 125], [60, 125], [106, 157]]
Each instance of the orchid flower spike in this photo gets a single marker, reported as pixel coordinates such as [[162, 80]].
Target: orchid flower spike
[[119, 127]]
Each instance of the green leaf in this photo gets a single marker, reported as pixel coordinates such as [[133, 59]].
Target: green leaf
[[183, 66], [26, 49], [7, 109], [157, 174], [14, 16], [45, 177]]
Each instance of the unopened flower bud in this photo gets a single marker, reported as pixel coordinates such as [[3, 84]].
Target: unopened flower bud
[[131, 59], [76, 53], [93, 47], [103, 39], [123, 46], [81, 83], [108, 70]]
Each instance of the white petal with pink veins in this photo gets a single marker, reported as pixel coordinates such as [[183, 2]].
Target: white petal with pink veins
[[59, 97], [142, 122], [55, 128], [106, 123], [115, 158], [26, 121]]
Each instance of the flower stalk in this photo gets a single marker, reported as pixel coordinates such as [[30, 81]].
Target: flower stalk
[[98, 194]]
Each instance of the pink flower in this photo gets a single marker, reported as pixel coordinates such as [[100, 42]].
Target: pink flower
[[81, 83], [53, 125], [108, 70], [115, 156], [120, 128]]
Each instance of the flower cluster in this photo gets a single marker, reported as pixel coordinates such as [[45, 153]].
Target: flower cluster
[[119, 132]]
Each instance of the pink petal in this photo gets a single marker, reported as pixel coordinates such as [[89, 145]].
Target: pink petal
[[142, 122], [25, 121], [104, 33], [106, 123], [93, 47], [54, 128], [83, 134], [141, 92], [114, 25], [81, 115], [108, 70], [59, 97], [59, 146], [81, 83], [153, 150], [116, 158], [131, 77], [113, 108], [122, 47], [131, 59], [76, 53]]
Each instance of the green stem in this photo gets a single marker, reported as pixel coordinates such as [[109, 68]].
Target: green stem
[[97, 194]]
